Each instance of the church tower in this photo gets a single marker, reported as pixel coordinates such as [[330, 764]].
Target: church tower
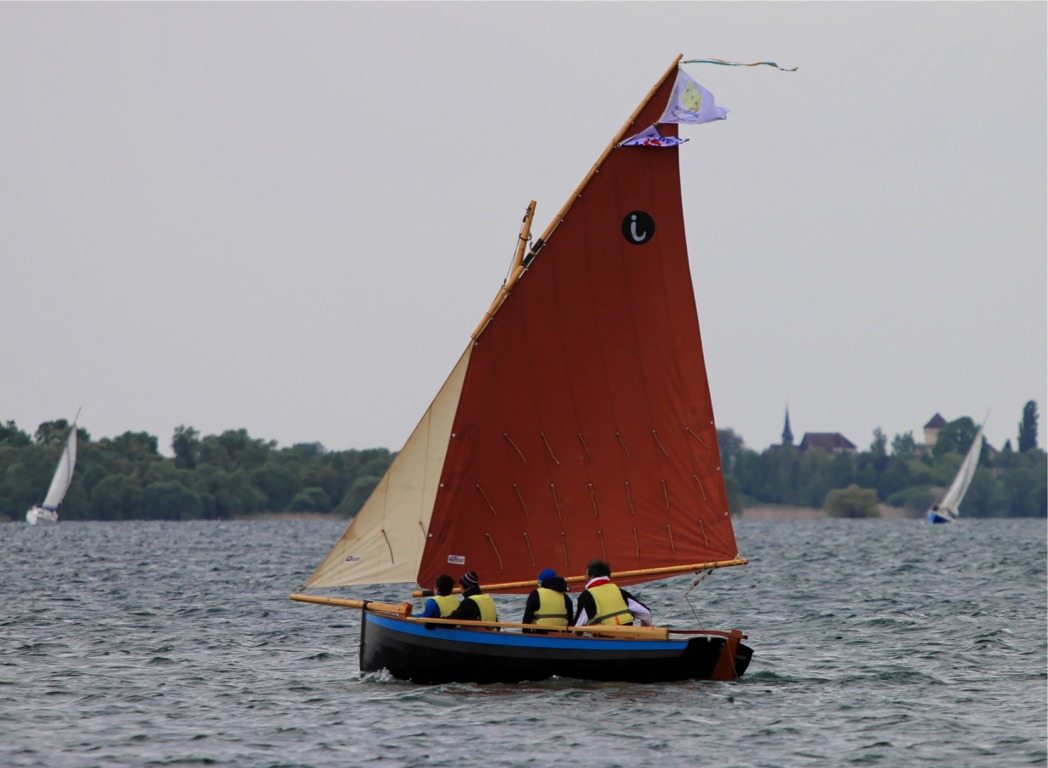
[[787, 433]]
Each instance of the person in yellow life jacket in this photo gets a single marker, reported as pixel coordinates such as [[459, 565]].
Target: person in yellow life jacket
[[602, 602], [475, 605], [549, 605], [441, 605]]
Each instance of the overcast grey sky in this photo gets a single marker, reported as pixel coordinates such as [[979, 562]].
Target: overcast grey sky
[[289, 217]]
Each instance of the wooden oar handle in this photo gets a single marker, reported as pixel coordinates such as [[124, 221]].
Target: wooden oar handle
[[398, 609]]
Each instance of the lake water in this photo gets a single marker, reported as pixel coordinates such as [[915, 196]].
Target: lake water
[[877, 643]]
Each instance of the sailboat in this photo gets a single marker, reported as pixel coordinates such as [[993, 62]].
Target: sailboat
[[47, 512], [576, 425], [948, 507]]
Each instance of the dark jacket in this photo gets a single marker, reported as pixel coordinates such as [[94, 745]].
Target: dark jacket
[[532, 604]]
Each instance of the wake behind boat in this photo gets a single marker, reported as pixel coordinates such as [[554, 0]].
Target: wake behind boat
[[47, 511], [577, 424]]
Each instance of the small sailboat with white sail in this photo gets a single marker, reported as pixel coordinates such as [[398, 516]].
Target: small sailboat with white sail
[[47, 511], [948, 507], [577, 424]]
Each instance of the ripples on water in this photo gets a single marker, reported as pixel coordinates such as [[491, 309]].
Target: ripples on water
[[881, 643]]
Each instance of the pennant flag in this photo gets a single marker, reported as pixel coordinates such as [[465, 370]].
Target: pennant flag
[[651, 137], [724, 63], [691, 103]]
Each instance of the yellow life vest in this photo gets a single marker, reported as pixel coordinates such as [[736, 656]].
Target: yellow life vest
[[551, 612], [488, 612], [446, 604], [611, 607]]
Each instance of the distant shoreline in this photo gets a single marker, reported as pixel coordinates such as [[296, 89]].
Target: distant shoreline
[[782, 512]]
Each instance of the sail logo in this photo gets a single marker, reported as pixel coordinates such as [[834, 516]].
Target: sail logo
[[638, 227], [457, 559], [352, 558]]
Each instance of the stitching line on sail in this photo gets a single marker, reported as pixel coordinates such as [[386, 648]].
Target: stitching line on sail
[[553, 489], [384, 536], [665, 493], [629, 498], [659, 442], [486, 501], [564, 546], [552, 456], [593, 500], [510, 441], [521, 498], [623, 444], [669, 529], [530, 553], [701, 488], [636, 541], [492, 541], [603, 549], [701, 441], [583, 441], [703, 528]]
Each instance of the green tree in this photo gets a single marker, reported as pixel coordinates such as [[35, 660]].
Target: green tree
[[956, 437], [186, 445], [169, 500], [1028, 428], [852, 501], [12, 435], [904, 446]]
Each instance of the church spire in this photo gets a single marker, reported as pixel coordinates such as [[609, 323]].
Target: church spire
[[787, 433]]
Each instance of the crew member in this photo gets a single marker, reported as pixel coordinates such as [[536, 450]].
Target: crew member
[[443, 603], [603, 602], [548, 605], [475, 605]]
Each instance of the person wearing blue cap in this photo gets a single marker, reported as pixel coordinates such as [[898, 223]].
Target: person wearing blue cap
[[475, 605], [549, 605]]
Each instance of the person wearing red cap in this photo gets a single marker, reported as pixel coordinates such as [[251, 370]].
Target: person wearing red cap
[[602, 602], [475, 605], [548, 605]]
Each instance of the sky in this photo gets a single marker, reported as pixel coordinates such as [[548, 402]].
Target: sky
[[288, 218]]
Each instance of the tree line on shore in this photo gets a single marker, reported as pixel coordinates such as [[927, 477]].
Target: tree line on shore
[[234, 475]]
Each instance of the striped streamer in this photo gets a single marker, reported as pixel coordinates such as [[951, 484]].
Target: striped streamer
[[724, 63]]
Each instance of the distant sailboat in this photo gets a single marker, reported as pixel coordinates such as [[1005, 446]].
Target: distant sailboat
[[47, 512], [577, 424], [949, 506]]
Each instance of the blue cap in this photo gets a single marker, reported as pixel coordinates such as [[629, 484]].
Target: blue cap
[[549, 573]]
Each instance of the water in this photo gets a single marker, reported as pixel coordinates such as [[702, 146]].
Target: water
[[878, 643]]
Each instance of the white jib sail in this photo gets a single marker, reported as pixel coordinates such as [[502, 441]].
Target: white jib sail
[[951, 502], [63, 474]]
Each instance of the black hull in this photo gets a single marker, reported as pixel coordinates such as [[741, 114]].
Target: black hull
[[410, 651]]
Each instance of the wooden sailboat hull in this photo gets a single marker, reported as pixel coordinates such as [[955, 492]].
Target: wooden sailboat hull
[[411, 651]]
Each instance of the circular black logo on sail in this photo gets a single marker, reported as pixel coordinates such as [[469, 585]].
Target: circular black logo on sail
[[638, 227]]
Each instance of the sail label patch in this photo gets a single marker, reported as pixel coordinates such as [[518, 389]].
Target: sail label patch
[[352, 558], [457, 559], [638, 227]]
